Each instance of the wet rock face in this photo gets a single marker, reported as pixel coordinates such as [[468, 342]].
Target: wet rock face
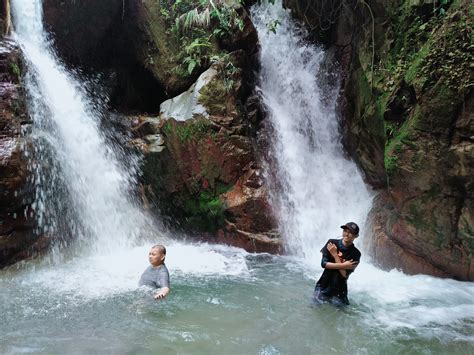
[[96, 37], [133, 44], [17, 240], [428, 155], [200, 165], [320, 17], [83, 30], [399, 237], [4, 17], [428, 208]]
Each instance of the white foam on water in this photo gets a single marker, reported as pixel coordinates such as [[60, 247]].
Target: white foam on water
[[206, 259], [397, 300], [115, 272]]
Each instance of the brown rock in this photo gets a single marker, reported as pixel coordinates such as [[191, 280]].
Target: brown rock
[[17, 222], [253, 243], [399, 235], [205, 178]]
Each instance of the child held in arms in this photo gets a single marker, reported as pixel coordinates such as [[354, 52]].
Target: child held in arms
[[156, 275], [340, 258]]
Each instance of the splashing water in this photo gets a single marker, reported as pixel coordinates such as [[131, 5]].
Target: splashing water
[[319, 188], [87, 176]]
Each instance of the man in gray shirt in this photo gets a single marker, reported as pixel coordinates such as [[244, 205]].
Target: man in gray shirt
[[156, 275]]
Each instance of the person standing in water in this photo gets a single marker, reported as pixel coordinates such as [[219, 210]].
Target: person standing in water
[[340, 258], [156, 275]]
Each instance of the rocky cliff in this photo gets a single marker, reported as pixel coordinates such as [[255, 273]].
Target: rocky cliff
[[17, 220], [409, 124]]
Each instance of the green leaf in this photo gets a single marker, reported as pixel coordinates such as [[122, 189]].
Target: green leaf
[[192, 64]]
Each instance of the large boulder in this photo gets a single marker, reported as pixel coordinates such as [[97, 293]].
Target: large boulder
[[200, 165], [17, 221]]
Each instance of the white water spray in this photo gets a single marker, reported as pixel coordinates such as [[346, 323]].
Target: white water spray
[[66, 126], [319, 189]]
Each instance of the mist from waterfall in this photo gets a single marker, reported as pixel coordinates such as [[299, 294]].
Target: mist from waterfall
[[316, 188], [82, 188]]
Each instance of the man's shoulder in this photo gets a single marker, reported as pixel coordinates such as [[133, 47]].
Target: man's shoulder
[[356, 251], [163, 268], [148, 269]]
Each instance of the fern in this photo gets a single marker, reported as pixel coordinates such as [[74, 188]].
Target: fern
[[194, 18], [201, 15]]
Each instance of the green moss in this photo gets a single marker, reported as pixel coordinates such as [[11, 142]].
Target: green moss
[[450, 57], [194, 129], [15, 69], [425, 221], [206, 210], [416, 64], [416, 217], [213, 97], [400, 138], [390, 163]]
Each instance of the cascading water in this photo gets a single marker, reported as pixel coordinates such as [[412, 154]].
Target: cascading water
[[223, 300], [319, 189], [87, 172]]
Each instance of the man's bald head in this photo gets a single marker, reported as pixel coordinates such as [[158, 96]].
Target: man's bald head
[[157, 255], [161, 248]]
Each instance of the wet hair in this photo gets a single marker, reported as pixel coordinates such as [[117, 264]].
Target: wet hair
[[160, 247]]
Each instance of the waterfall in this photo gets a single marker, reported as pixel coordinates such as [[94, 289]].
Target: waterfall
[[316, 188], [82, 187]]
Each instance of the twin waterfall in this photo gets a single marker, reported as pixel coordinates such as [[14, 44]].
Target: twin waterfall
[[223, 300]]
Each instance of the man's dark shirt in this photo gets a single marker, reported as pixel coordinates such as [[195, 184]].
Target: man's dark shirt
[[332, 283]]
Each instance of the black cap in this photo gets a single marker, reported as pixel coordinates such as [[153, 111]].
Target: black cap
[[354, 228]]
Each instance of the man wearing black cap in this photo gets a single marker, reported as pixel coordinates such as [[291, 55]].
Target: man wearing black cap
[[340, 258]]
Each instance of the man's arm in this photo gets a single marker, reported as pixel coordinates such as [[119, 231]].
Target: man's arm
[[162, 293], [337, 264], [164, 282]]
